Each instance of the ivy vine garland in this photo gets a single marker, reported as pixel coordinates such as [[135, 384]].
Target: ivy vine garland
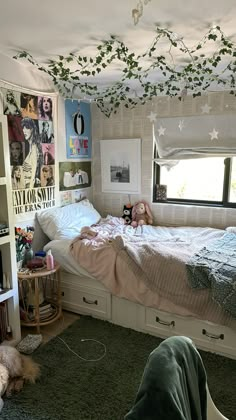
[[197, 75]]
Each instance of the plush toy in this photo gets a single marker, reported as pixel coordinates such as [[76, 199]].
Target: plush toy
[[127, 214], [141, 214]]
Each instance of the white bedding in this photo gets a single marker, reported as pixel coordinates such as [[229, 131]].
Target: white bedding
[[136, 290], [61, 252]]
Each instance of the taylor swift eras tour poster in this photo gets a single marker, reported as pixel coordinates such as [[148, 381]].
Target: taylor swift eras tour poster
[[32, 149]]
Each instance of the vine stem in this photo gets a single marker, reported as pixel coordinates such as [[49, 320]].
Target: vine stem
[[197, 71]]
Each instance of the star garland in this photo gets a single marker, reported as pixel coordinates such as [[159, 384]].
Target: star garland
[[76, 72]]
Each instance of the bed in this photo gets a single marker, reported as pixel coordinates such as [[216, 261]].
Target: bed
[[152, 278]]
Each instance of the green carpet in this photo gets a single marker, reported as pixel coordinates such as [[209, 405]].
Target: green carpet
[[71, 389]]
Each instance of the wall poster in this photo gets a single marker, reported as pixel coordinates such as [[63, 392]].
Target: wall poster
[[32, 149], [74, 175], [78, 129]]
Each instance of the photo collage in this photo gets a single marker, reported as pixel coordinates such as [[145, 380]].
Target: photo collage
[[31, 139]]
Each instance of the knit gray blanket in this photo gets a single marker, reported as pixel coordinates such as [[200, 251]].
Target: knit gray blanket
[[211, 267], [214, 266]]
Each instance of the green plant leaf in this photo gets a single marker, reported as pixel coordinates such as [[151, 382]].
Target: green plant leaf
[[196, 74]]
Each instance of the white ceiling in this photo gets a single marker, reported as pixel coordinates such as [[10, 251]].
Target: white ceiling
[[47, 28]]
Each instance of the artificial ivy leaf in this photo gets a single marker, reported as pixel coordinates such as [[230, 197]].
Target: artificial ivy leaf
[[198, 69]]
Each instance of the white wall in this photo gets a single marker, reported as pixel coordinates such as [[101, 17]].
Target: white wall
[[135, 124]]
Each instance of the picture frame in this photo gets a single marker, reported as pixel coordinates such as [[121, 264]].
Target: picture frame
[[161, 192], [121, 165]]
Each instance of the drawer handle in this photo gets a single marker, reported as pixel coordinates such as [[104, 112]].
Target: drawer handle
[[215, 336], [169, 324], [90, 302]]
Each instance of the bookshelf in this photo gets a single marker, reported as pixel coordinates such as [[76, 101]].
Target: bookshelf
[[9, 293]]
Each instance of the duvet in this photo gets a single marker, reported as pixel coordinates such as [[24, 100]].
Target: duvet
[[157, 256]]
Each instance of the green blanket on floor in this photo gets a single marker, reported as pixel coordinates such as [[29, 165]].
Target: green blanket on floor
[[173, 385]]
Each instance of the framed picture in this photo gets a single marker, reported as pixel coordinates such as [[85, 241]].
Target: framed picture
[[121, 165], [161, 192]]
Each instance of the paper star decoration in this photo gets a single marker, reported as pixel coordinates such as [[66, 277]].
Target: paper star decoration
[[161, 131], [152, 116], [205, 109], [181, 125], [214, 134]]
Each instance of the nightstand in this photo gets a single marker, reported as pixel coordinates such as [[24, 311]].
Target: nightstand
[[40, 296]]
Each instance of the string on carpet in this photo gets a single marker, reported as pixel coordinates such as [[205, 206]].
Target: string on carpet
[[82, 340]]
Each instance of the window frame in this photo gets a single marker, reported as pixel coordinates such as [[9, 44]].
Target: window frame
[[225, 203]]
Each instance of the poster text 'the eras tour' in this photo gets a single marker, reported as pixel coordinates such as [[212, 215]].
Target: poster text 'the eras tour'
[[34, 199]]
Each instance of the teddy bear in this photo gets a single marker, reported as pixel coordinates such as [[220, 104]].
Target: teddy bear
[[127, 214], [141, 214]]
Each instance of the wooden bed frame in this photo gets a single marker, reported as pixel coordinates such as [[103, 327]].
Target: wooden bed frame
[[88, 296]]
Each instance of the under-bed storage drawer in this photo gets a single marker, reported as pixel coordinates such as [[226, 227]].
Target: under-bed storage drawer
[[163, 324], [209, 336], [87, 301], [206, 335]]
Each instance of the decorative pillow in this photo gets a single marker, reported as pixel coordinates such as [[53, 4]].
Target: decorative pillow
[[67, 221], [231, 229]]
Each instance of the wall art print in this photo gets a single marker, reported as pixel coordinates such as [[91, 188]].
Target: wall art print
[[121, 165], [32, 149], [161, 192], [66, 198], [74, 196], [74, 175], [78, 129]]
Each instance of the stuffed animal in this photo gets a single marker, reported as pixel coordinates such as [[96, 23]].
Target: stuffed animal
[[141, 214], [127, 214]]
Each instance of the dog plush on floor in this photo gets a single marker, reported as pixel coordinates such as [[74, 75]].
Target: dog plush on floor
[[15, 370]]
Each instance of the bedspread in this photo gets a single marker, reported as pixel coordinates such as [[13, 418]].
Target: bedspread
[[214, 266], [156, 255]]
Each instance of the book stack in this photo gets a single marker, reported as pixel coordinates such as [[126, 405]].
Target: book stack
[[46, 310]]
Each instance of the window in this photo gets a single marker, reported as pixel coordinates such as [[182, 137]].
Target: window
[[232, 189], [204, 180]]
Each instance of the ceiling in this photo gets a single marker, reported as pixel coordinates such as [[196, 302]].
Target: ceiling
[[52, 27]]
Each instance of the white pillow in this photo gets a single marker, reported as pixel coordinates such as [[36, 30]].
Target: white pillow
[[231, 229], [67, 221]]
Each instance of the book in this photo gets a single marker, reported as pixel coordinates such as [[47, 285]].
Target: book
[[42, 307], [45, 306], [42, 316]]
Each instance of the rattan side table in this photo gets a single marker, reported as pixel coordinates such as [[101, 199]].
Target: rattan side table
[[40, 296]]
